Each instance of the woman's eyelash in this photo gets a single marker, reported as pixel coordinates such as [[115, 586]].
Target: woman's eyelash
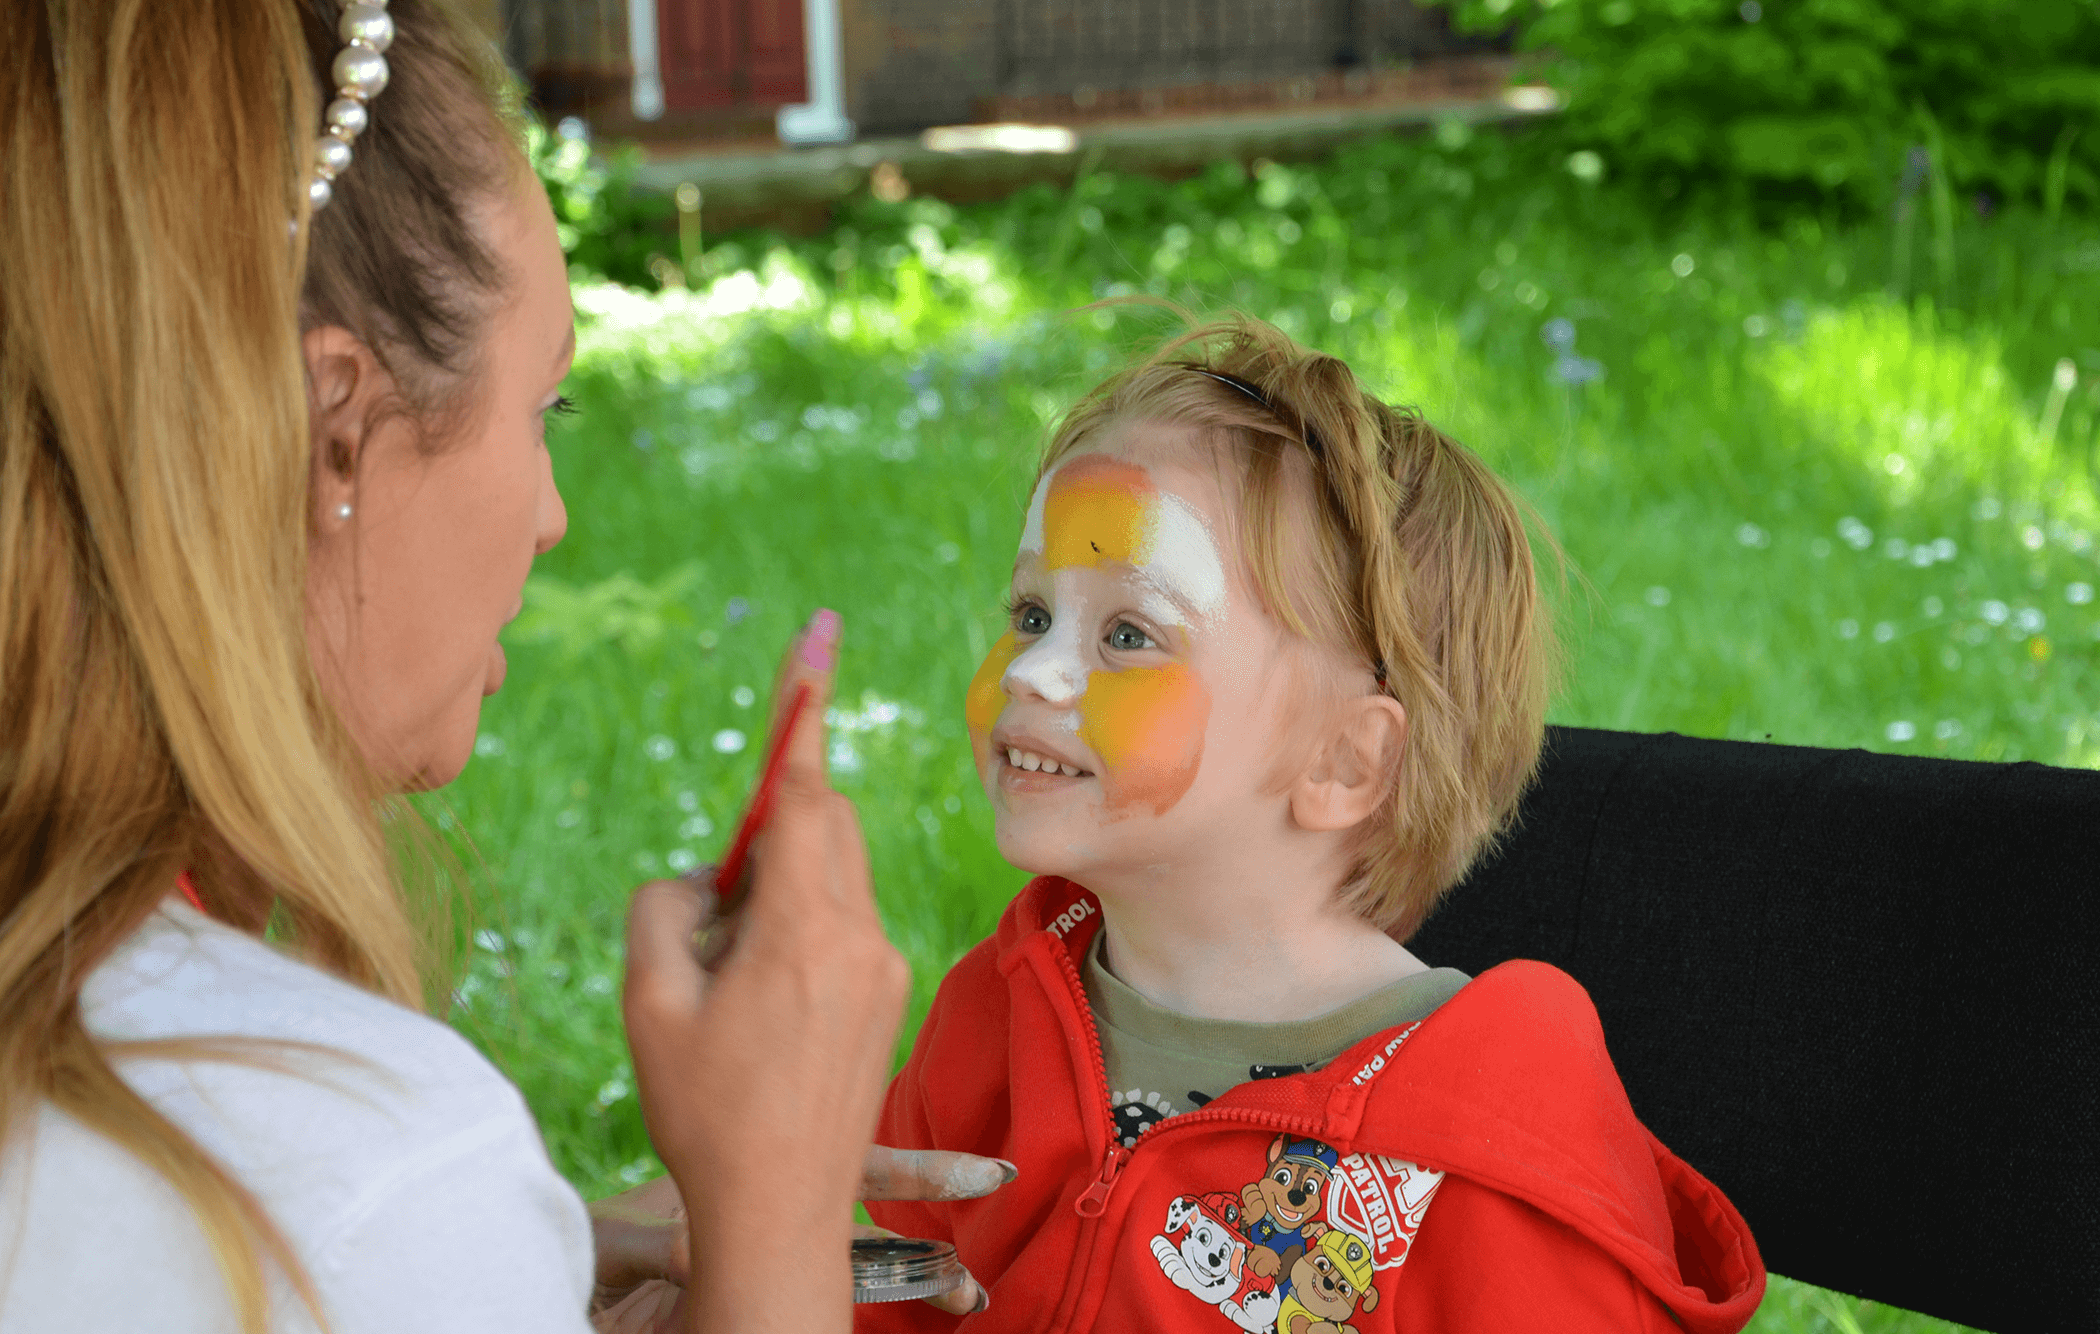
[[563, 406]]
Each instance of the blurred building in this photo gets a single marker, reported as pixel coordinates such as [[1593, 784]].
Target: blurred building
[[694, 68]]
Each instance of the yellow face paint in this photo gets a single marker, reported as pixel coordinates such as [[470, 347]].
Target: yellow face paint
[[1096, 513], [986, 695], [1146, 724]]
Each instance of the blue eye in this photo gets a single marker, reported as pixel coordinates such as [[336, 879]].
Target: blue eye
[[1032, 620], [1128, 638]]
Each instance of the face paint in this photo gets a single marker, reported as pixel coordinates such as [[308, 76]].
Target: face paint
[[985, 697], [1095, 509], [1146, 724]]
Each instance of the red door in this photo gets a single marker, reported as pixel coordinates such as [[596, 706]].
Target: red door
[[729, 53]]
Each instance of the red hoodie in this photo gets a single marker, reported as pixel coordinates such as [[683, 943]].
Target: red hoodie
[[1478, 1171]]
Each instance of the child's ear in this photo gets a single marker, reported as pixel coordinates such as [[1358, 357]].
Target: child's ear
[[1353, 775]]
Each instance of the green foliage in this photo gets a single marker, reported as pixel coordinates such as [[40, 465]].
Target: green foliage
[[609, 229], [1817, 99]]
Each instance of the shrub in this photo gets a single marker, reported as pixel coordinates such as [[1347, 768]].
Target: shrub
[[609, 229], [1820, 99]]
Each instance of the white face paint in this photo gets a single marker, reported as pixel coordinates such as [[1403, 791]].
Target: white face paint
[[1177, 553]]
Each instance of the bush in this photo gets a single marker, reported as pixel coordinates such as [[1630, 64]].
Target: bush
[[608, 228], [1818, 100]]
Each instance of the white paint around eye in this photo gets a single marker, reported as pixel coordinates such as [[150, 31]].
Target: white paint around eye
[[1181, 554], [1053, 667], [1032, 530]]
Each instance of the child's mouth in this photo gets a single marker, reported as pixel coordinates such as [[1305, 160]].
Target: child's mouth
[[1028, 771]]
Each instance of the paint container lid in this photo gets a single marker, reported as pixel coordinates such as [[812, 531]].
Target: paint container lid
[[899, 1269]]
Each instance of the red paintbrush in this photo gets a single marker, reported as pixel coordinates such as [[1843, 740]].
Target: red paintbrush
[[728, 879]]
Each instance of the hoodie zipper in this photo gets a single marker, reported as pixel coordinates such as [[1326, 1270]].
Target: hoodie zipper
[[1093, 1201]]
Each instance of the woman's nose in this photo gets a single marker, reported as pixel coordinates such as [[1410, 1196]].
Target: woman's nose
[[553, 516]]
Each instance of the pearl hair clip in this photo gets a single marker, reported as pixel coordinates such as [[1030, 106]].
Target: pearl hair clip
[[360, 74]]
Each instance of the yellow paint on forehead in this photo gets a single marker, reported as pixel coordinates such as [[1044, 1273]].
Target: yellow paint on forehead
[[986, 696], [1098, 510], [1147, 725]]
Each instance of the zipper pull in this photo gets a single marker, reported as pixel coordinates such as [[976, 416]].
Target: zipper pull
[[1094, 1201]]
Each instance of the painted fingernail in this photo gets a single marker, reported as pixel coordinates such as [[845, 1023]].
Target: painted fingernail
[[1007, 1169], [820, 642]]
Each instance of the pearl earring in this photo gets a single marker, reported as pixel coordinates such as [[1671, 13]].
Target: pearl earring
[[342, 511]]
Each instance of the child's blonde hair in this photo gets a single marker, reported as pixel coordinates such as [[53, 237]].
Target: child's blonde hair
[[1415, 560]]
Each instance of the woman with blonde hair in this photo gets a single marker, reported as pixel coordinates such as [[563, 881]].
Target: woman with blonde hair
[[282, 314]]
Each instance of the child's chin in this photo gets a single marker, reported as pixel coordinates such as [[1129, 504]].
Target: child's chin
[[1028, 846]]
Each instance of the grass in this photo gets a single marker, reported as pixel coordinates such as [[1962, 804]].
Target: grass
[[1798, 505]]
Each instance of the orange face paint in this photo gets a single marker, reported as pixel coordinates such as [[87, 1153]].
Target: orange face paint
[[1146, 724], [1096, 513], [986, 696]]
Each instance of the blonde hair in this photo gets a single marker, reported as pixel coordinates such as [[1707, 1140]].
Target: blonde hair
[[1368, 531], [162, 712]]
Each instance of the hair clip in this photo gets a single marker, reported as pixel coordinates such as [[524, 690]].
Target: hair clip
[[1312, 440], [360, 74]]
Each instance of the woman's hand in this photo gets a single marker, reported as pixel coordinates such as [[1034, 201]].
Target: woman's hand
[[760, 1081], [640, 1234]]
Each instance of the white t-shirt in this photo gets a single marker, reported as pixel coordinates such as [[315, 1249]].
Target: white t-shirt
[[412, 1182]]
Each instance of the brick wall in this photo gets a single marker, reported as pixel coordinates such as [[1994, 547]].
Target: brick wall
[[913, 63]]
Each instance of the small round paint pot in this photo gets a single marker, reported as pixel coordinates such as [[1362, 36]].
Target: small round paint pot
[[900, 1269]]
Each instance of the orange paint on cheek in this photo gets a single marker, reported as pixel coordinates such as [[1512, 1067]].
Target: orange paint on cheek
[[985, 698], [1146, 724], [1095, 512]]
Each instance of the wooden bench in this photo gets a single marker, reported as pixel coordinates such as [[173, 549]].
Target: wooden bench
[[1859, 992]]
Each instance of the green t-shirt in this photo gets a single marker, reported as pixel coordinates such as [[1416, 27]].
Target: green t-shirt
[[1161, 1063]]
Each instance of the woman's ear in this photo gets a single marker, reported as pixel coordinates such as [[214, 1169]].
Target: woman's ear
[[344, 385], [1352, 776]]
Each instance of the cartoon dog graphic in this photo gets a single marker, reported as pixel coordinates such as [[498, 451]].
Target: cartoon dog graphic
[[1282, 1208], [1203, 1253], [1327, 1284]]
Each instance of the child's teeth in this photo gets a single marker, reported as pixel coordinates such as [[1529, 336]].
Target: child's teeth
[[1013, 756], [1032, 762]]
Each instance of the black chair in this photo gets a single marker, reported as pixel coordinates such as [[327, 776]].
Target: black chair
[[1859, 992]]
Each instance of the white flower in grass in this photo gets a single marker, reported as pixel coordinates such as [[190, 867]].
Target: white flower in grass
[[1995, 611], [1902, 730], [728, 741], [2078, 594], [1946, 729], [659, 748]]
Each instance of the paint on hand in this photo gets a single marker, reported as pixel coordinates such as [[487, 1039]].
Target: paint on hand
[[1147, 725]]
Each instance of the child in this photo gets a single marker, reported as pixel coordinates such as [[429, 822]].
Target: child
[[1276, 674]]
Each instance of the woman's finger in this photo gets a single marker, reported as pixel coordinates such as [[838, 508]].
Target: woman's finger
[[662, 922], [810, 661], [931, 1174], [966, 1298]]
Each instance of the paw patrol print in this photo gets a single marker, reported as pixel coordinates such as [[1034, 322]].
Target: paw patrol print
[[1137, 1112]]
